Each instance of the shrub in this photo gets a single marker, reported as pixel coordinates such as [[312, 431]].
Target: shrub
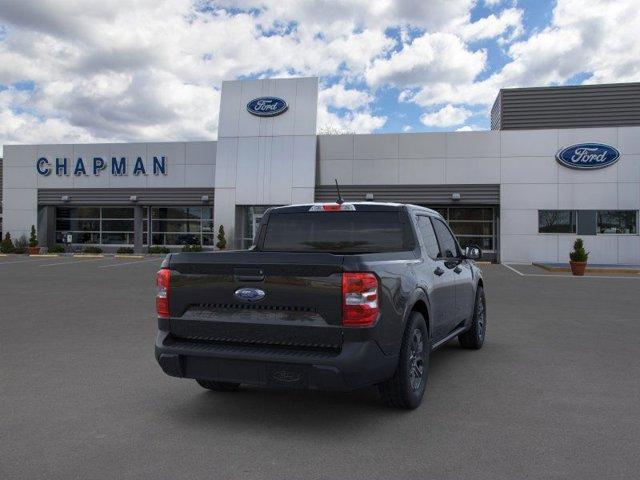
[[222, 241], [579, 254], [91, 249], [7, 244], [158, 249], [192, 248], [57, 248], [124, 251], [20, 245], [33, 238]]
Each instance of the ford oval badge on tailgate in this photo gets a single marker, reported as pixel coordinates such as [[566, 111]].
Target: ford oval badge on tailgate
[[249, 294]]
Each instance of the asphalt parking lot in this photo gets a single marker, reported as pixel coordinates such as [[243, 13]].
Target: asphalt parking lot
[[555, 392]]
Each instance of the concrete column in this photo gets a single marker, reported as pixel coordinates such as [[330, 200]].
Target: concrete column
[[138, 231]]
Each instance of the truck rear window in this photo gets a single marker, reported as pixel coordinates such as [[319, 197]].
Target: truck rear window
[[337, 232]]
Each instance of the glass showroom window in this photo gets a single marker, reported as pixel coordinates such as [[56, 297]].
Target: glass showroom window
[[556, 221], [618, 221], [95, 225], [182, 226], [471, 225]]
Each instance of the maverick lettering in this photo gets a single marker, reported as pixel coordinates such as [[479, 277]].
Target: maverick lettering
[[118, 166]]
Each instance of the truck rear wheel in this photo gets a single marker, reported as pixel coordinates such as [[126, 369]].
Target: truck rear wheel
[[218, 386], [406, 388], [474, 337]]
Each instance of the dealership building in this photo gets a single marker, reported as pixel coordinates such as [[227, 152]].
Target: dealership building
[[559, 162]]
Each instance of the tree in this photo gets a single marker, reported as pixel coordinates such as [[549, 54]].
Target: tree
[[7, 244], [222, 241], [33, 238]]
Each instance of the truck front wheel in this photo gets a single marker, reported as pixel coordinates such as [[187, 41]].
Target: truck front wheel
[[406, 388], [218, 386]]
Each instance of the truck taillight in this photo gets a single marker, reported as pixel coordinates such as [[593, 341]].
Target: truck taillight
[[359, 299], [162, 295]]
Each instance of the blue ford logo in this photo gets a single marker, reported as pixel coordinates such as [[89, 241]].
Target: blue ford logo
[[588, 156], [267, 106], [249, 294]]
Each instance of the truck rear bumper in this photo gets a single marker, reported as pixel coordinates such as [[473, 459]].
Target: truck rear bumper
[[358, 364]]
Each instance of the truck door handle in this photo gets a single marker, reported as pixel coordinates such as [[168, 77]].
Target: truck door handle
[[457, 270], [438, 271]]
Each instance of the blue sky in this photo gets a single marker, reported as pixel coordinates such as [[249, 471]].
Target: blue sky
[[77, 71]]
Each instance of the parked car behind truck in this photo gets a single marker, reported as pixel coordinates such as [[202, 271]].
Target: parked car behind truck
[[332, 297]]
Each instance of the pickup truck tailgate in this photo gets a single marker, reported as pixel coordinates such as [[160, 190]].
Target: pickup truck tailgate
[[301, 307]]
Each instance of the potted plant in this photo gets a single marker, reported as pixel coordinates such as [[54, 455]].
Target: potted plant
[[222, 241], [33, 249], [578, 258]]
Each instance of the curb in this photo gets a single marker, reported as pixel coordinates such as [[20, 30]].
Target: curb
[[88, 255], [123, 255], [45, 255], [606, 270]]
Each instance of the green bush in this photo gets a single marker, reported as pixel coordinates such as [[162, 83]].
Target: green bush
[[7, 244], [579, 254], [33, 238], [91, 249], [158, 249], [21, 244], [57, 248], [192, 248], [124, 251], [222, 241]]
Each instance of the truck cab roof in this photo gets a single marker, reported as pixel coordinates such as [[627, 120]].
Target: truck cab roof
[[362, 206]]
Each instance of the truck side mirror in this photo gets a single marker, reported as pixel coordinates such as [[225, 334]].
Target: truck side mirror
[[473, 252]]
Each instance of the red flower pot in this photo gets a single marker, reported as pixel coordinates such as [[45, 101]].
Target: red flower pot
[[578, 268]]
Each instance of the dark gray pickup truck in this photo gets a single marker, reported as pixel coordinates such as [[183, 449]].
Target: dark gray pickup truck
[[332, 296]]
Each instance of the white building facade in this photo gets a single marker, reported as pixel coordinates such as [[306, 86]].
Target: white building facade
[[502, 189]]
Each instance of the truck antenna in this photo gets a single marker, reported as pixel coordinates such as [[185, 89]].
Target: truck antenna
[[340, 200]]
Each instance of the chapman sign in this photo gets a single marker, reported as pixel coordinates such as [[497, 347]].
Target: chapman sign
[[588, 156], [267, 106], [118, 166]]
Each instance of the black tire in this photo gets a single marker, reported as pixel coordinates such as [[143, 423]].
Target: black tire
[[218, 386], [405, 389], [474, 337]]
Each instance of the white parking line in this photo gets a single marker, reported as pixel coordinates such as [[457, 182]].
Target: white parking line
[[73, 262], [130, 263], [513, 269], [551, 275]]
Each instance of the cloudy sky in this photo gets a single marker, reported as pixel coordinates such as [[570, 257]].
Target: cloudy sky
[[84, 71]]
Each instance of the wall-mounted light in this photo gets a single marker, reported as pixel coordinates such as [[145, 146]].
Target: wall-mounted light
[[133, 198], [65, 198], [369, 197], [455, 196], [204, 198]]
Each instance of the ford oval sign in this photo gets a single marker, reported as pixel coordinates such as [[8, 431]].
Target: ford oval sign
[[249, 294], [267, 106], [588, 156]]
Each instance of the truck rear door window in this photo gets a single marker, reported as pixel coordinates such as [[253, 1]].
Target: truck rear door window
[[337, 232]]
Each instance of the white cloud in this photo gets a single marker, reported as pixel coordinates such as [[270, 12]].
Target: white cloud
[[407, 128], [340, 97], [509, 22], [469, 128], [432, 57], [447, 116]]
